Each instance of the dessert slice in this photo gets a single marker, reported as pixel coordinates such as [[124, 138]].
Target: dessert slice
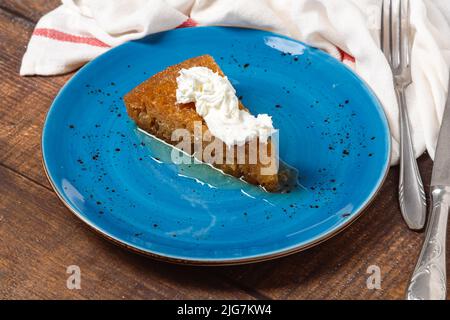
[[196, 93]]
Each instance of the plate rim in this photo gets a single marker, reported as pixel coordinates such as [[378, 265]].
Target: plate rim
[[274, 254]]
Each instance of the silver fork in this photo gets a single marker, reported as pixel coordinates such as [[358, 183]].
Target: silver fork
[[395, 29]]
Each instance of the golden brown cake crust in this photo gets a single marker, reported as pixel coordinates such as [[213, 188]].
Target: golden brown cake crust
[[152, 105]]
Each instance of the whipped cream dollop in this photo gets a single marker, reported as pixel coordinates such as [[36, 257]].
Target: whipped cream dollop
[[215, 100]]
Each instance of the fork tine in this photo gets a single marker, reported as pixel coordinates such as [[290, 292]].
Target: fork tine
[[386, 44], [396, 15], [405, 32]]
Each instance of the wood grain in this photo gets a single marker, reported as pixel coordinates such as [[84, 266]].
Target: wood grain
[[25, 101], [29, 9], [40, 237]]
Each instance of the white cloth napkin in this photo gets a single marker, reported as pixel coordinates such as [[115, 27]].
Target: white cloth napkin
[[79, 30]]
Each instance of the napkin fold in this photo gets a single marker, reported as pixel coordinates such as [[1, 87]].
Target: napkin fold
[[80, 30]]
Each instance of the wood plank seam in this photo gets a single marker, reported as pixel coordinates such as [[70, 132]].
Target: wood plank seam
[[251, 291], [26, 177], [17, 14]]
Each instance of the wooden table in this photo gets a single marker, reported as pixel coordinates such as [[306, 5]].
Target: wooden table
[[40, 238]]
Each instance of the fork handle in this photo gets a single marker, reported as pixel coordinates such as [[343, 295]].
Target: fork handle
[[411, 191], [429, 280]]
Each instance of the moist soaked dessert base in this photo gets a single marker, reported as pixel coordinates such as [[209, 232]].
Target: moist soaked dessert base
[[153, 106]]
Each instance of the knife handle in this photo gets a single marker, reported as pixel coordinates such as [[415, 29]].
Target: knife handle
[[410, 190], [429, 280]]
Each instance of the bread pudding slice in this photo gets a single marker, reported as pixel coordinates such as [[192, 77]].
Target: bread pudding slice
[[153, 106]]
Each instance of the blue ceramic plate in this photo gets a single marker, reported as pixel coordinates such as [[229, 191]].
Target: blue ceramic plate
[[122, 183]]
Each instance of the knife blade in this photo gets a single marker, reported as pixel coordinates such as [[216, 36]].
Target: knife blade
[[429, 279], [441, 167]]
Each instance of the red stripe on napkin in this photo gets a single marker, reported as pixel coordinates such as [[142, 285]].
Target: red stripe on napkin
[[62, 36], [188, 23], [345, 56]]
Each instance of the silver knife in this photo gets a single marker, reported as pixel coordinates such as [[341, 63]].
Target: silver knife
[[429, 280]]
